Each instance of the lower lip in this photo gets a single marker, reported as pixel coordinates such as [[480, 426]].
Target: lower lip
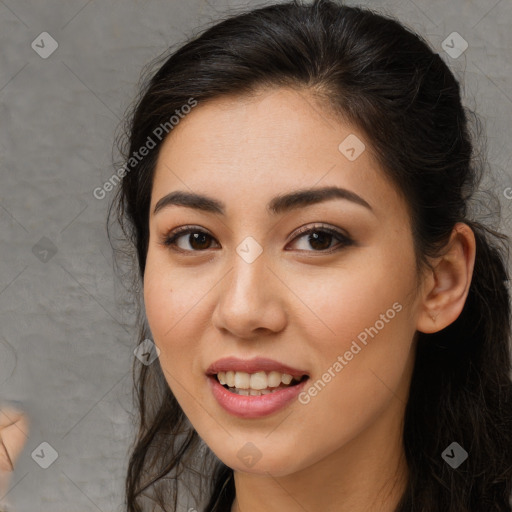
[[254, 406]]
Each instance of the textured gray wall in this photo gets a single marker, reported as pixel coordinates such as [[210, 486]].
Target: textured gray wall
[[66, 346]]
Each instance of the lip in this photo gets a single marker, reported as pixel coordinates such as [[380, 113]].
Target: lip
[[254, 365], [248, 407]]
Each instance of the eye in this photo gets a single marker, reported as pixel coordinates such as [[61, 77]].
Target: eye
[[319, 237], [197, 239]]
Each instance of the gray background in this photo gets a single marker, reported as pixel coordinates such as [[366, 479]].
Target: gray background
[[66, 343]]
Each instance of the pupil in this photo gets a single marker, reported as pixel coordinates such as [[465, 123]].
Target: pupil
[[319, 235], [196, 237]]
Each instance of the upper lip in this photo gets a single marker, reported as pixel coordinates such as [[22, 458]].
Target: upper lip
[[254, 365]]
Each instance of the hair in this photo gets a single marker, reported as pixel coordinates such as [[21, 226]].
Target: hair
[[384, 79]]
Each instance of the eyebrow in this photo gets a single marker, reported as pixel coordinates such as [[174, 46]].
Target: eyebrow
[[278, 205]]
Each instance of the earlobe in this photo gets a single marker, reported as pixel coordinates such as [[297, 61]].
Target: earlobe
[[447, 286]]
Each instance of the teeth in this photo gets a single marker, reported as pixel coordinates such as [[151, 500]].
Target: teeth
[[286, 378], [255, 382], [251, 392], [242, 380], [229, 379]]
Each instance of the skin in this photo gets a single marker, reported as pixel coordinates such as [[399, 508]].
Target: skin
[[14, 429], [295, 303]]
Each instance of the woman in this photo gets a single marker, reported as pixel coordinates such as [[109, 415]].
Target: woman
[[253, 145]]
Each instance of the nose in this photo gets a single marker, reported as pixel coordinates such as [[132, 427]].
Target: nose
[[251, 300]]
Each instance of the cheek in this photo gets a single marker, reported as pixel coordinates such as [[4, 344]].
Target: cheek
[[363, 316], [175, 301], [346, 301], [169, 314], [360, 367], [170, 296]]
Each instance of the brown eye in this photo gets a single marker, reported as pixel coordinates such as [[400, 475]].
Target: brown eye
[[318, 238], [197, 239], [321, 238]]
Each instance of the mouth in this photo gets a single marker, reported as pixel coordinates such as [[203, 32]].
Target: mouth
[[258, 383]]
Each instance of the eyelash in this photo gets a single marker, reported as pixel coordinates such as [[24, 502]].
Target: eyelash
[[170, 239]]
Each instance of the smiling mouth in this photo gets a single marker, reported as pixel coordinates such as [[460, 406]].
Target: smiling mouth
[[260, 384]]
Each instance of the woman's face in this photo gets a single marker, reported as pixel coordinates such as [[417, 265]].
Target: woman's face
[[248, 284]]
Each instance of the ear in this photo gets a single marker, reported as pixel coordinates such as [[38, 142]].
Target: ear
[[446, 287]]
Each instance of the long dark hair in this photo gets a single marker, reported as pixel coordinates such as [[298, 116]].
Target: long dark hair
[[385, 79]]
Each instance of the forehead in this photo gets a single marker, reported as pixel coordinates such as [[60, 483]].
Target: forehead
[[268, 143]]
